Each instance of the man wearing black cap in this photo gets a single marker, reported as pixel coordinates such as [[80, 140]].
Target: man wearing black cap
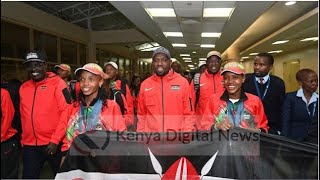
[[164, 102], [44, 101]]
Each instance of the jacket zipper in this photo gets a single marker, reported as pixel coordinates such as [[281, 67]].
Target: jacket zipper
[[190, 100], [214, 85], [34, 98], [162, 105]]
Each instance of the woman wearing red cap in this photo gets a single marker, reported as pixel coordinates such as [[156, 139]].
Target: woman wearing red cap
[[92, 110]]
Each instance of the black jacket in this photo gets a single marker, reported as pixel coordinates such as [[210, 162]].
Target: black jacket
[[272, 101]]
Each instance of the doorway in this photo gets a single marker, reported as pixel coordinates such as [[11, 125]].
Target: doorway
[[290, 68]]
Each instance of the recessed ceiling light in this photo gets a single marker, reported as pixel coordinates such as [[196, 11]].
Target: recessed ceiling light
[[194, 52], [210, 34], [281, 42], [245, 57], [190, 65], [192, 68], [186, 58], [179, 45], [185, 55], [161, 12], [278, 51], [310, 39], [202, 59], [289, 3], [173, 34], [217, 12], [188, 61], [207, 45], [188, 70], [253, 54], [150, 49]]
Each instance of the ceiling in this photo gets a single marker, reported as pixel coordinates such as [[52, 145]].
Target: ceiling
[[251, 27]]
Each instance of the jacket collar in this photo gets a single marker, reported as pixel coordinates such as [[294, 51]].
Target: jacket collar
[[211, 75], [225, 96], [313, 98], [171, 74]]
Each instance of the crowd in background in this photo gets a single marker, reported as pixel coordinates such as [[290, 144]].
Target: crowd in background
[[43, 115]]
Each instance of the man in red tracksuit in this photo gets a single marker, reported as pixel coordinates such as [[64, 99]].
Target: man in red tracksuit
[[210, 83], [9, 139], [43, 106], [234, 108], [164, 102], [111, 68]]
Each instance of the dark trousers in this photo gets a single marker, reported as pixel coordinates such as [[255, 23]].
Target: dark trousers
[[34, 158], [10, 150]]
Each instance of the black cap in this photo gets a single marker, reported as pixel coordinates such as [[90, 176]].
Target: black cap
[[39, 56]]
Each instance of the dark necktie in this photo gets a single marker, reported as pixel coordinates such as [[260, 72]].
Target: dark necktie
[[261, 80]]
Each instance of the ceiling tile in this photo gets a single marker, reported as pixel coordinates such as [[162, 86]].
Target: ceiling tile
[[188, 9], [157, 4], [189, 28], [212, 27], [219, 4]]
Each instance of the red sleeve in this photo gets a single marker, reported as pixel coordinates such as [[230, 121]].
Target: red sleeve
[[62, 94], [208, 117], [130, 105], [7, 109], [118, 122], [141, 111], [189, 121], [261, 118], [193, 93]]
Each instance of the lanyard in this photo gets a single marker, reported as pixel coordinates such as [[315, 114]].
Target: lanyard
[[258, 90], [235, 119], [89, 123], [314, 110]]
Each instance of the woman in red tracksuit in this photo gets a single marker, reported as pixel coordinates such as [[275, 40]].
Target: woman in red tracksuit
[[234, 108], [92, 110]]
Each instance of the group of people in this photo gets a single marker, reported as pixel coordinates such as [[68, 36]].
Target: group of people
[[217, 99]]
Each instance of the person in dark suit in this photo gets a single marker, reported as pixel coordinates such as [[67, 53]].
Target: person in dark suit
[[300, 109], [270, 89]]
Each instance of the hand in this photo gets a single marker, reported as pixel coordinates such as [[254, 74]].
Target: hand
[[51, 148], [225, 125]]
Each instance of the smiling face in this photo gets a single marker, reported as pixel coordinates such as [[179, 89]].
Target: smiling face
[[161, 64], [90, 84], [36, 70], [213, 64], [233, 83], [111, 71]]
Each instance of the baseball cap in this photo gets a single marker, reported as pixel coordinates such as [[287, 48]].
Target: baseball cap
[[65, 67], [201, 63], [39, 56], [213, 53], [93, 68], [113, 64], [163, 51], [233, 67]]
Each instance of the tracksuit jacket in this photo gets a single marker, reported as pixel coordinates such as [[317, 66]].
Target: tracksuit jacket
[[128, 100], [209, 84], [165, 104], [110, 119], [253, 115], [7, 113], [43, 108]]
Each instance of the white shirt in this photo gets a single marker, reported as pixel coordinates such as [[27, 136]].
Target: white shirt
[[313, 98], [265, 78]]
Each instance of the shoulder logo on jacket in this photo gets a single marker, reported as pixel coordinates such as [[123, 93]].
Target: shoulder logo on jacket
[[43, 87], [148, 89], [175, 87]]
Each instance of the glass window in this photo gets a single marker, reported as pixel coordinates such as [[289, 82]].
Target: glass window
[[46, 42], [15, 42], [68, 51]]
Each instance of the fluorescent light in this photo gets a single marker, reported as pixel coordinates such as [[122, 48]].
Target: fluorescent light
[[217, 12], [150, 49], [161, 12], [253, 54], [208, 34], [202, 59], [188, 70], [192, 68], [310, 39], [179, 45], [194, 52], [173, 34], [185, 58], [289, 3], [278, 51], [190, 65], [184, 55], [245, 57], [207, 45], [280, 42], [188, 61]]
